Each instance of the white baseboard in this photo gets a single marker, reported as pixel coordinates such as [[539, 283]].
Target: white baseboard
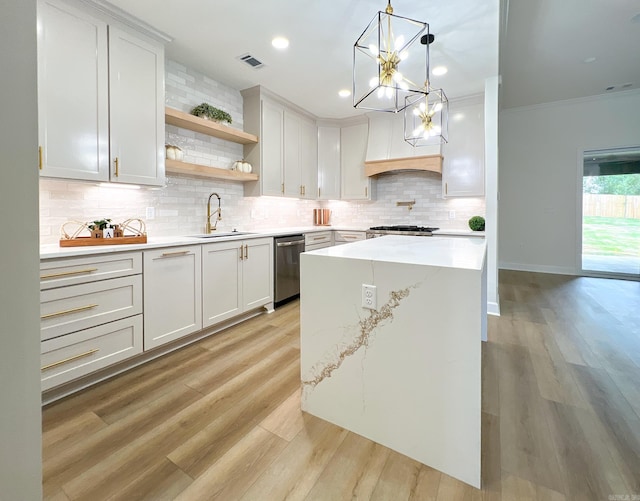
[[556, 270]]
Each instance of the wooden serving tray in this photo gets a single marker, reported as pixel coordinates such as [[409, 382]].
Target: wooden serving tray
[[88, 241]]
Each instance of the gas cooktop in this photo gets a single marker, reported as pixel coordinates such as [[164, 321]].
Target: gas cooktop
[[401, 227]]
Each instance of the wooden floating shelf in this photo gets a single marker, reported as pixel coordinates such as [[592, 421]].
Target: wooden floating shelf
[[184, 168], [431, 163], [208, 127]]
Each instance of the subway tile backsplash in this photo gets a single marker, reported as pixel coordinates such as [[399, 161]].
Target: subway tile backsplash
[[180, 207]]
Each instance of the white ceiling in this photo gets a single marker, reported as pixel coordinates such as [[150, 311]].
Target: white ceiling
[[545, 43], [209, 36]]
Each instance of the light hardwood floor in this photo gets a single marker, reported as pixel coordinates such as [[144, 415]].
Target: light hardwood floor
[[221, 420]]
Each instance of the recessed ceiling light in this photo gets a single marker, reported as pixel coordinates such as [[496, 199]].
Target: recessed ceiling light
[[280, 42], [344, 93], [589, 60], [439, 70]]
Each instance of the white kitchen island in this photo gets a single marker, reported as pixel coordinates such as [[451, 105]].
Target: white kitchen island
[[408, 374]]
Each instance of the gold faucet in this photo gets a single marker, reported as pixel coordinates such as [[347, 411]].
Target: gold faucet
[[218, 211]]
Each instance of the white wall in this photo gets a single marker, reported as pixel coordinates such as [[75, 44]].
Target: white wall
[[540, 159], [20, 415], [181, 205]]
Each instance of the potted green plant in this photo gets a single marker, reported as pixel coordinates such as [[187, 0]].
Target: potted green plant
[[98, 226], [208, 112], [476, 223]]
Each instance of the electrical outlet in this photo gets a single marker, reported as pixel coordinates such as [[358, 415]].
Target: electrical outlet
[[369, 297], [452, 214], [151, 213]]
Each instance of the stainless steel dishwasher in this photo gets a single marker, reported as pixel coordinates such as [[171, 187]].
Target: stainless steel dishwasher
[[287, 267]]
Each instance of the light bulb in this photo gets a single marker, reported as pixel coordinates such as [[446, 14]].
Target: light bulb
[[418, 130], [389, 92], [416, 111], [373, 82], [399, 42], [403, 85], [373, 49], [403, 55], [397, 76], [426, 134], [436, 130], [423, 107], [437, 107], [380, 91]]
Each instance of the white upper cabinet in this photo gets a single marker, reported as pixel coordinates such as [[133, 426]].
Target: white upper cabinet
[[309, 159], [353, 148], [73, 99], [100, 99], [328, 163], [136, 72], [463, 168], [286, 154]]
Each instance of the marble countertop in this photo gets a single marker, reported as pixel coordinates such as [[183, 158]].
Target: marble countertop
[[449, 252], [52, 251]]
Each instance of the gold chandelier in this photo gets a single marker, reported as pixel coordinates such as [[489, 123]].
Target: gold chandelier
[[426, 117], [388, 60]]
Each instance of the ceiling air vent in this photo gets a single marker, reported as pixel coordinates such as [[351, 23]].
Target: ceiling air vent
[[251, 61]]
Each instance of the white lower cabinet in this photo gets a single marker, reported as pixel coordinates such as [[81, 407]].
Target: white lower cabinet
[[75, 355], [236, 277], [172, 294], [344, 237], [318, 240]]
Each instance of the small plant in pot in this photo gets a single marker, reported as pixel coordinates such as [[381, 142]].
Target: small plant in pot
[[206, 111], [476, 223], [98, 226]]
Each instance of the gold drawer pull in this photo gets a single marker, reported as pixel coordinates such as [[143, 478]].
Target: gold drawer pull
[[246, 252], [40, 161], [351, 237], [68, 273], [70, 359], [67, 312], [319, 238], [241, 253], [174, 254]]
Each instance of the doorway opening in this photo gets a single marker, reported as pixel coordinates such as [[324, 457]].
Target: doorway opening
[[611, 213]]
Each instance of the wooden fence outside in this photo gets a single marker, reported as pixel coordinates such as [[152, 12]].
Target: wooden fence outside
[[621, 206]]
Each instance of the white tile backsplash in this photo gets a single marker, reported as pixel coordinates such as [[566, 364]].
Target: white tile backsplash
[[181, 205]]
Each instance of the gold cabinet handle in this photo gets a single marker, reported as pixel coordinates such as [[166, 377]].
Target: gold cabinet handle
[[349, 237], [68, 312], [282, 188], [446, 188], [117, 162], [304, 189], [241, 253], [70, 359], [175, 254], [40, 158], [318, 192], [246, 252], [68, 273], [366, 191], [319, 238]]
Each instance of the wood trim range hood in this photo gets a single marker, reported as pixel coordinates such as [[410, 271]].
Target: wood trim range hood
[[430, 163]]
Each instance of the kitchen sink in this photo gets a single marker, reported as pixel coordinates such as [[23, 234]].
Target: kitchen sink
[[221, 234]]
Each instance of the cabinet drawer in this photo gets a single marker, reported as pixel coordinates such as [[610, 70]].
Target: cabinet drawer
[[78, 354], [348, 236], [321, 237], [72, 271], [69, 309]]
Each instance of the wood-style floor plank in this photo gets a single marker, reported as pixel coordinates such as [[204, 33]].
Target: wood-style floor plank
[[221, 419]]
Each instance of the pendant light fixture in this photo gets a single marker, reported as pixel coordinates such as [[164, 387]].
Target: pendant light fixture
[[426, 117], [389, 62]]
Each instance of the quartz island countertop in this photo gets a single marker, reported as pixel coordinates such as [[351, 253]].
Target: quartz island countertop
[[406, 374]]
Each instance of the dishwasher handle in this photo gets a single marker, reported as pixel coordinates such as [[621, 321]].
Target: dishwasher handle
[[288, 244]]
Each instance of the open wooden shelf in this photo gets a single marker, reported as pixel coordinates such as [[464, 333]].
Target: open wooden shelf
[[197, 124], [188, 169], [432, 163]]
